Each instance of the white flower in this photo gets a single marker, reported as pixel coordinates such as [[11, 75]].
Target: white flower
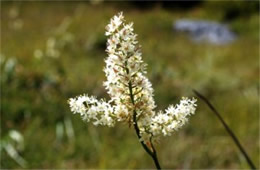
[[173, 118], [91, 109], [130, 90], [121, 112], [115, 22]]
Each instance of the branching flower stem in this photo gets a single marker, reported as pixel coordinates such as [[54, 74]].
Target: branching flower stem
[[152, 152], [229, 131], [131, 92]]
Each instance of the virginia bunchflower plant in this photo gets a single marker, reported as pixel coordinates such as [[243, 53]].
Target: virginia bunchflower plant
[[131, 93]]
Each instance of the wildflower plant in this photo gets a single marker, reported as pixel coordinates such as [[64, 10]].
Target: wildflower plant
[[131, 92]]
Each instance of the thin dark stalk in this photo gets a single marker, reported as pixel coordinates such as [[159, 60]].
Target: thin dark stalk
[[139, 137], [151, 153], [137, 130], [230, 132], [155, 159]]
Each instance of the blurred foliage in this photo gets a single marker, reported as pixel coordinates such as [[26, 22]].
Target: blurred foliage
[[233, 10], [53, 51], [11, 145]]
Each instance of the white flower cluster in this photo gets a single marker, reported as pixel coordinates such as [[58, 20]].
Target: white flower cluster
[[100, 112], [173, 118], [130, 91]]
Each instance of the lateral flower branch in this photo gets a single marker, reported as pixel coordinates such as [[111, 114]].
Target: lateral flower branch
[[131, 92]]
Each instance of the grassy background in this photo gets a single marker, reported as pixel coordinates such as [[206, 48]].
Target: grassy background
[[35, 89]]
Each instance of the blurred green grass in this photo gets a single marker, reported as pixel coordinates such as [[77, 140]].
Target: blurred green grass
[[35, 90]]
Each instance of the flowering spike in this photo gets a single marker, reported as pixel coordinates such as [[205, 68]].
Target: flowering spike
[[90, 108], [130, 90]]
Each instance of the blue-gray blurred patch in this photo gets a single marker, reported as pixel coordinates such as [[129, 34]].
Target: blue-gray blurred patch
[[209, 31]]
